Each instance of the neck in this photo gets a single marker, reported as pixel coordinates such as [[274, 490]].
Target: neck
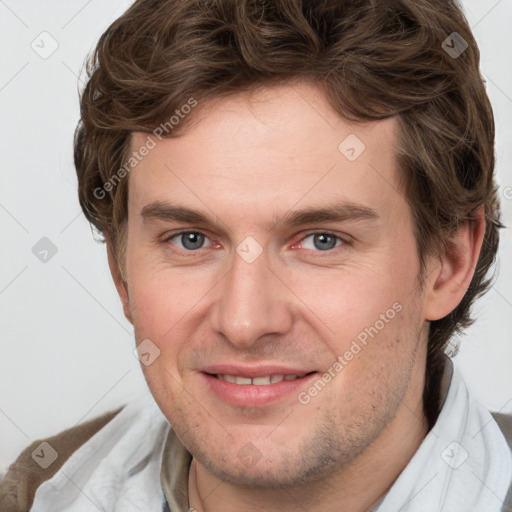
[[356, 487]]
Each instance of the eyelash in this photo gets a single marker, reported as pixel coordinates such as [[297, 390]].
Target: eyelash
[[344, 241]]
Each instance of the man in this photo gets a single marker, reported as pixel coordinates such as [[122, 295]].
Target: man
[[299, 209]]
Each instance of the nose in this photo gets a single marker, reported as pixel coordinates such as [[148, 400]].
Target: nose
[[251, 302]]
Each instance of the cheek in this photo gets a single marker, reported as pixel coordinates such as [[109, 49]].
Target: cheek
[[161, 307], [369, 319], [167, 306], [160, 298], [345, 301], [156, 318]]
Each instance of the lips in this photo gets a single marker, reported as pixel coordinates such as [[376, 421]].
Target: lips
[[258, 381], [250, 387]]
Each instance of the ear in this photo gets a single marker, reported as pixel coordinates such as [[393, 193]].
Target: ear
[[121, 286], [455, 268]]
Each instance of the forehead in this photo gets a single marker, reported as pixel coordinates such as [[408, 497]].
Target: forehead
[[268, 150]]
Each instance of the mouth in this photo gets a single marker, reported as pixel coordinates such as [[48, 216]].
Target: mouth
[[265, 380], [258, 390]]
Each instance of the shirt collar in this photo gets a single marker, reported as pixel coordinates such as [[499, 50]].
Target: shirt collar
[[462, 464], [176, 462]]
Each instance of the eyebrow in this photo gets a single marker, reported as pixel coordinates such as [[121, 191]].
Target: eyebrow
[[337, 212]]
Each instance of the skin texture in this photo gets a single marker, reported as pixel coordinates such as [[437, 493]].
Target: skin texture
[[246, 161]]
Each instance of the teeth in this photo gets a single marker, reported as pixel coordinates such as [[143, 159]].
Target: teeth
[[258, 381], [242, 380], [261, 381]]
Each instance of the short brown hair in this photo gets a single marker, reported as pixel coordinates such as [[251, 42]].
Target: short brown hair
[[373, 60]]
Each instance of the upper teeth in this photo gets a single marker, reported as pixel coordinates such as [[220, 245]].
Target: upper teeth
[[258, 381]]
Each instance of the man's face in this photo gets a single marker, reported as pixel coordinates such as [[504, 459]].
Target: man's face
[[260, 292]]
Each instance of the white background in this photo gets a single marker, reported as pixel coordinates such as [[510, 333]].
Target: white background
[[66, 348]]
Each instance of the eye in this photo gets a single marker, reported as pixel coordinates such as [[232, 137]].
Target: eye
[[192, 241], [189, 240], [322, 241]]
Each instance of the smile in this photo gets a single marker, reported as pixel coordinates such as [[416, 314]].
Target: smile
[[258, 381], [258, 390]]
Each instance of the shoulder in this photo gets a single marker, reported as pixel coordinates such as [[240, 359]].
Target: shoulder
[[25, 475], [504, 421]]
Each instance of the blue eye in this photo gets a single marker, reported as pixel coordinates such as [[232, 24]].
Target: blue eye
[[323, 241], [190, 240]]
